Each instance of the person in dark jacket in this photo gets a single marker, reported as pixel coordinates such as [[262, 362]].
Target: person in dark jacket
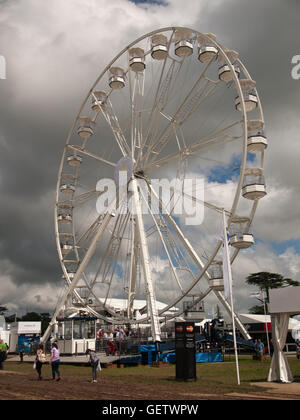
[[95, 363], [39, 360]]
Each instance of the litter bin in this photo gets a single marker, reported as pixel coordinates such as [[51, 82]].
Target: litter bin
[[185, 351]]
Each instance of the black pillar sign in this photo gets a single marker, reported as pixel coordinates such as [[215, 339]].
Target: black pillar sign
[[185, 351]]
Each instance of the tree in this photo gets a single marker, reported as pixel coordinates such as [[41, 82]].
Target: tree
[[3, 309], [266, 281], [31, 316], [45, 318], [257, 310]]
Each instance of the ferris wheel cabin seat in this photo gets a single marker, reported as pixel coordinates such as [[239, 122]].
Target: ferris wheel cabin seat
[[257, 141], [206, 49], [254, 186], [99, 101], [116, 78], [183, 45], [250, 97], [225, 73], [66, 249], [242, 241], [64, 218], [70, 274], [67, 189], [216, 281], [159, 50], [74, 160], [239, 237], [85, 128], [137, 59]]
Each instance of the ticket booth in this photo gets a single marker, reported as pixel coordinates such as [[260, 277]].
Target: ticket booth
[[25, 336], [76, 335]]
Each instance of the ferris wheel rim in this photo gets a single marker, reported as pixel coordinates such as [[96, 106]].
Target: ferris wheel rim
[[243, 166]]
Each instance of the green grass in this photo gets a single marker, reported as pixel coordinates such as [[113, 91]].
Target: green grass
[[217, 378]]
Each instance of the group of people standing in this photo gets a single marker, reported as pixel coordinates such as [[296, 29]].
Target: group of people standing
[[54, 361]]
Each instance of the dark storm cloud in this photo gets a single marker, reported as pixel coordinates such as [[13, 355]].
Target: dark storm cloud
[[266, 35], [50, 69]]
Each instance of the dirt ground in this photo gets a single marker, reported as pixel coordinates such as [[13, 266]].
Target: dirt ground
[[19, 382], [24, 386], [20, 386]]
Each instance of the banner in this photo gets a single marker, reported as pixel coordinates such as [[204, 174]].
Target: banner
[[256, 294]]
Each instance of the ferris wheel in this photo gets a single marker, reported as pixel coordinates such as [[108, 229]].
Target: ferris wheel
[[172, 108]]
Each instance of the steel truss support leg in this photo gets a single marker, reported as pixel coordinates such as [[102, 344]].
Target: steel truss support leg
[[79, 272], [156, 332], [200, 264]]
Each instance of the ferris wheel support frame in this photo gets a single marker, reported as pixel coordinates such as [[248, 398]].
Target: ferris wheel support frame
[[139, 230], [201, 265], [151, 300], [110, 214]]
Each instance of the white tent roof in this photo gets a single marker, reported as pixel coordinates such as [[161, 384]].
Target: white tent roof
[[257, 319], [122, 304]]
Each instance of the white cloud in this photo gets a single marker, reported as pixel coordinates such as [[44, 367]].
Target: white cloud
[[28, 297]]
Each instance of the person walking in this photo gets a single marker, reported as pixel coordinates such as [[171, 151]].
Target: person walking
[[39, 360], [22, 353], [55, 362], [261, 348], [3, 353], [95, 363]]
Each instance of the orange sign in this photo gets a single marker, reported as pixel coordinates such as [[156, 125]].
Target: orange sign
[[189, 328], [179, 328]]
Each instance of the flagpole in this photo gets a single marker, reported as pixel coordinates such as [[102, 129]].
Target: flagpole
[[267, 332], [231, 297]]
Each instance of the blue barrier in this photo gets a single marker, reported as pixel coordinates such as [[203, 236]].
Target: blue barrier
[[200, 357], [209, 357], [131, 360]]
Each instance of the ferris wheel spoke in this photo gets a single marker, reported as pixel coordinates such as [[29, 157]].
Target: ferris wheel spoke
[[169, 84], [204, 144], [167, 135], [110, 271], [198, 99], [89, 232], [190, 103], [113, 122], [132, 270], [163, 83], [136, 105], [81, 267], [164, 245], [85, 197], [160, 102], [179, 233], [203, 267], [192, 150], [103, 262], [92, 155], [91, 291]]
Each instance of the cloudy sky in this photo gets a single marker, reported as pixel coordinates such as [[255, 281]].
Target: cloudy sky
[[55, 50]]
